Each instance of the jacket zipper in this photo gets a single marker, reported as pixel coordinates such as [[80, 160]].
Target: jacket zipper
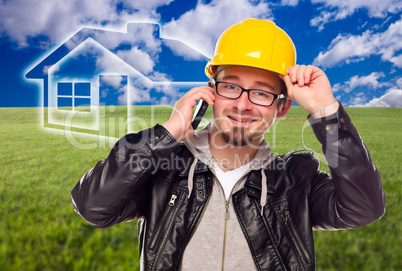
[[163, 221], [226, 217], [292, 227]]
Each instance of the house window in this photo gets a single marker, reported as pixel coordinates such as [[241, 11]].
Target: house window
[[74, 96]]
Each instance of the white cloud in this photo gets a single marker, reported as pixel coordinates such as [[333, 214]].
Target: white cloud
[[397, 60], [142, 91], [145, 35], [392, 98], [145, 4], [359, 100], [346, 48], [122, 98], [370, 81], [327, 16], [363, 85], [159, 77], [114, 80], [57, 19], [139, 91], [336, 87], [135, 56], [351, 48], [201, 27], [342, 9], [171, 93], [292, 3], [144, 52], [180, 49], [399, 82]]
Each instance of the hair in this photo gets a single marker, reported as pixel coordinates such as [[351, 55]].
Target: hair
[[284, 90]]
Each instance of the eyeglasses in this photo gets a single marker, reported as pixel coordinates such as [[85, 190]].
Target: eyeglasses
[[255, 96]]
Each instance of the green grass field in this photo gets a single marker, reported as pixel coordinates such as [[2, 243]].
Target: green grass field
[[40, 231]]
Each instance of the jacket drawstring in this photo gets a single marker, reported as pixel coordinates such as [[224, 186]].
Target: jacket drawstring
[[190, 177], [264, 191]]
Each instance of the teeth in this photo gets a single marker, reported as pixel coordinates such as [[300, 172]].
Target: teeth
[[242, 120]]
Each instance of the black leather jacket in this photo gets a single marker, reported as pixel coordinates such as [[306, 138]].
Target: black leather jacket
[[132, 182]]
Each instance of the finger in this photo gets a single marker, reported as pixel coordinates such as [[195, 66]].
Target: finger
[[308, 74], [292, 71], [207, 94], [288, 83], [300, 75], [198, 93]]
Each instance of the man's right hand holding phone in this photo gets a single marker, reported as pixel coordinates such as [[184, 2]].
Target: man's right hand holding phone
[[179, 124]]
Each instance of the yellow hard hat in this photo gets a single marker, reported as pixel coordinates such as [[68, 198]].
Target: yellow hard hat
[[255, 43]]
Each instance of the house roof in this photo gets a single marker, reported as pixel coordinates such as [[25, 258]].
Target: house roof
[[144, 37]]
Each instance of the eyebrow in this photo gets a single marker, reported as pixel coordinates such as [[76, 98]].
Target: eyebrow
[[259, 83]]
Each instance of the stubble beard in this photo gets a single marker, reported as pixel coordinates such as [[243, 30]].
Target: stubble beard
[[236, 136]]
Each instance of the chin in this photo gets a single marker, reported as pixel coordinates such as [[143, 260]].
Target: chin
[[240, 137]]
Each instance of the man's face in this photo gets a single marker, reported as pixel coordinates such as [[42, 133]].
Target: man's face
[[240, 122]]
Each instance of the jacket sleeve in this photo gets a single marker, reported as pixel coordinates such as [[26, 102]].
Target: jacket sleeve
[[115, 190], [354, 196]]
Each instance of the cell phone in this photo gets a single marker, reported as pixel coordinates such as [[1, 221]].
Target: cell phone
[[202, 107]]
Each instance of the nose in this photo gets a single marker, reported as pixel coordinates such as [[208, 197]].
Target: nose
[[243, 103]]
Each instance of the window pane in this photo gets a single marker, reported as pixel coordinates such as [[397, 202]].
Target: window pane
[[82, 89], [64, 103], [64, 88], [82, 104]]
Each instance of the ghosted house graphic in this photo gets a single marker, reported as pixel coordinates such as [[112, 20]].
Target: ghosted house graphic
[[95, 70]]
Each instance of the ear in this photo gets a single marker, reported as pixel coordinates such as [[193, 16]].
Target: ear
[[284, 110]]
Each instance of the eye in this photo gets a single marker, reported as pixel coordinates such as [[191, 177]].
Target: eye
[[232, 87], [261, 94]]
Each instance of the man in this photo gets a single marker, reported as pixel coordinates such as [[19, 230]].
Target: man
[[221, 200]]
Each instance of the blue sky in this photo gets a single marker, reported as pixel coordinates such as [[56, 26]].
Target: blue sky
[[357, 43]]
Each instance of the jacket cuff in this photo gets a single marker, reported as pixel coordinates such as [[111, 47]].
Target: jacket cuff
[[162, 142], [329, 126]]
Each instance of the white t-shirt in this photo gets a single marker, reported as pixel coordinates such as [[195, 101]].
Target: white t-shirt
[[229, 178]]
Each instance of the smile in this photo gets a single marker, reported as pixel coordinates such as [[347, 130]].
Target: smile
[[242, 121]]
